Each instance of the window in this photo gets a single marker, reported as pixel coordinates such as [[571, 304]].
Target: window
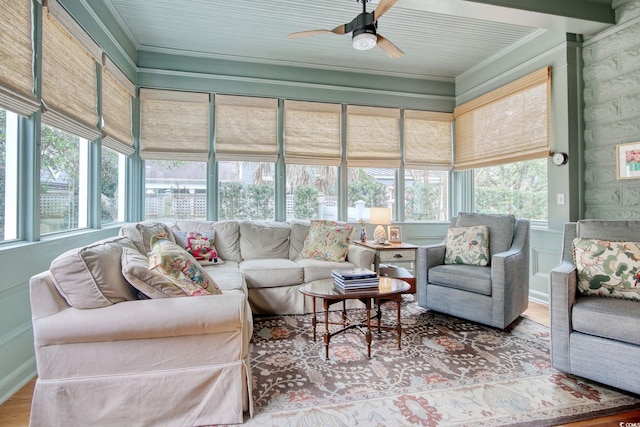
[[312, 154], [63, 181], [426, 195], [246, 190], [112, 178], [517, 188], [8, 175], [175, 190], [312, 192], [367, 188]]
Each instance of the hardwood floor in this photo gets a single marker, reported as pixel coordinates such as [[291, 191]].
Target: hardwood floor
[[15, 411]]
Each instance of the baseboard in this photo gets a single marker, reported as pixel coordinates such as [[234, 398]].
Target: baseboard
[[541, 297], [17, 379]]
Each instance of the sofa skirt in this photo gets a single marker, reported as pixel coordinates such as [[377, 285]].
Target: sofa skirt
[[179, 397]]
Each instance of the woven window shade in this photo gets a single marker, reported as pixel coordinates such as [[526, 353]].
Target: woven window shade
[[16, 70], [510, 124], [373, 137], [312, 133], [427, 140], [246, 129], [117, 91], [69, 88], [175, 125]]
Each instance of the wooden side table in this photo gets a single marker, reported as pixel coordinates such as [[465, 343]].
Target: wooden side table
[[393, 253]]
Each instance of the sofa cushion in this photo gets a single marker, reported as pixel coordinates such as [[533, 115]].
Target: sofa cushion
[[262, 239], [608, 318], [607, 269], [141, 233], [91, 276], [299, 232], [199, 244], [316, 269], [327, 240], [270, 273], [465, 277], [151, 282], [501, 228], [227, 240], [227, 276], [467, 245], [180, 267]]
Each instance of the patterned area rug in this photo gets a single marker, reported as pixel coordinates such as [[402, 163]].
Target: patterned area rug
[[449, 372]]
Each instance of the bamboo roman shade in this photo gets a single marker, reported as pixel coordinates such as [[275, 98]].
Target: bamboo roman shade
[[175, 125], [117, 91], [246, 129], [69, 82], [507, 125], [373, 137], [312, 133], [427, 140], [16, 69]]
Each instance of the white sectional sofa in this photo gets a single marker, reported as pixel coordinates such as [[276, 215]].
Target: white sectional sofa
[[264, 254], [107, 357]]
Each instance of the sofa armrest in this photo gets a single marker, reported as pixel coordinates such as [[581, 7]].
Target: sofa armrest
[[144, 319], [563, 282], [427, 257], [360, 256]]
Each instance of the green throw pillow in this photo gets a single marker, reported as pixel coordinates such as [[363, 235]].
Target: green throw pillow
[[607, 269], [467, 245]]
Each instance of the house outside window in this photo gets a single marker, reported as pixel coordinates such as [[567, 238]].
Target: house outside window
[[175, 190]]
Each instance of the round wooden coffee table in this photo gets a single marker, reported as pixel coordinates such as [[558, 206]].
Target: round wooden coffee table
[[388, 289]]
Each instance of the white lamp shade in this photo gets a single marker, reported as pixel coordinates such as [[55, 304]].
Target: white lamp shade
[[380, 216]]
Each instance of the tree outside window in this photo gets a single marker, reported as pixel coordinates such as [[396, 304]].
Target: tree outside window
[[516, 188], [63, 181]]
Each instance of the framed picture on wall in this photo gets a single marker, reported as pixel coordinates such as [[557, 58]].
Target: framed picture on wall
[[628, 160], [395, 234]]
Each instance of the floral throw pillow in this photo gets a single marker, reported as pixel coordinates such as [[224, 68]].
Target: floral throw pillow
[[467, 245], [327, 241], [180, 267], [607, 269], [200, 245]]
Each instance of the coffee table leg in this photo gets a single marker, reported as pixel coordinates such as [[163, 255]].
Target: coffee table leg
[[327, 337], [399, 327], [368, 304], [314, 321]]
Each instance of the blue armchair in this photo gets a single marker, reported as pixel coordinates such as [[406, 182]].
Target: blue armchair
[[495, 294]]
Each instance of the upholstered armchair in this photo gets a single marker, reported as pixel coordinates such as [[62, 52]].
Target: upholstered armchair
[[494, 294], [592, 336]]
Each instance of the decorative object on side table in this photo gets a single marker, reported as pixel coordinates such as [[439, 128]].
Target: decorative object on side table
[[381, 217], [395, 234], [363, 230]]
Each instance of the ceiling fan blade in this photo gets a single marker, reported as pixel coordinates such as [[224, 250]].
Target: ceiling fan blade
[[389, 48], [337, 30], [306, 33], [383, 6]]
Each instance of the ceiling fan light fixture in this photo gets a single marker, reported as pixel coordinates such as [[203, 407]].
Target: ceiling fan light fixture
[[364, 39]]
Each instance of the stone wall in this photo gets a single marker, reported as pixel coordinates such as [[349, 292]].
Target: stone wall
[[612, 114]]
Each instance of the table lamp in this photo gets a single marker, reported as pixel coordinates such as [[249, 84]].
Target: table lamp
[[381, 217]]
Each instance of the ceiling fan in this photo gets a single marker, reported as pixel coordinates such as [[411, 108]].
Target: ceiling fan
[[364, 29]]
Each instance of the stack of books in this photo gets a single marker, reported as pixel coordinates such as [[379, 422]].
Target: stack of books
[[354, 279]]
